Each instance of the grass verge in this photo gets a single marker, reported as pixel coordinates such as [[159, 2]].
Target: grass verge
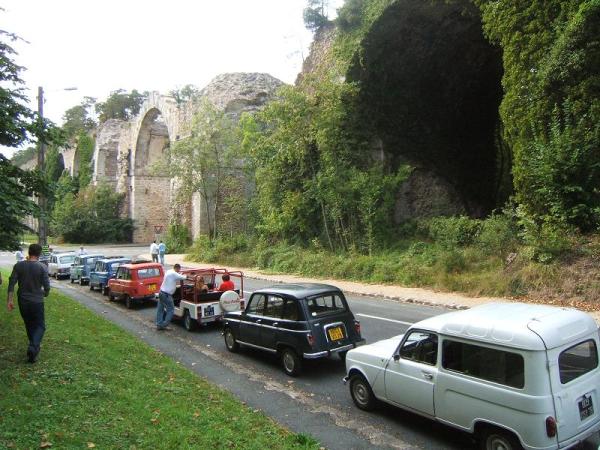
[[96, 386]]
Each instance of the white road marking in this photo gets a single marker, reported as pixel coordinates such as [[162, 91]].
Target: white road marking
[[383, 318]]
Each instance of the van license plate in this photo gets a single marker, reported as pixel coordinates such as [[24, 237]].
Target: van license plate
[[209, 311], [152, 287], [586, 408], [335, 333]]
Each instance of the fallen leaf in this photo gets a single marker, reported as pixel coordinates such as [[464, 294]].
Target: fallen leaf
[[154, 420], [91, 445], [196, 414], [45, 444]]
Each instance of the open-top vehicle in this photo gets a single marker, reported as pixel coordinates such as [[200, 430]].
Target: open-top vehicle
[[198, 300], [82, 266], [104, 270], [136, 283]]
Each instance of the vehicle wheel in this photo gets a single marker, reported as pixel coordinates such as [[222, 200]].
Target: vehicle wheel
[[128, 302], [291, 362], [361, 393], [230, 342], [91, 287], [111, 297], [102, 289], [492, 438], [72, 281], [188, 322], [342, 355]]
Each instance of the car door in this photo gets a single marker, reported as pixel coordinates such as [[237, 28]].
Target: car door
[[251, 320], [270, 323], [410, 375], [118, 284]]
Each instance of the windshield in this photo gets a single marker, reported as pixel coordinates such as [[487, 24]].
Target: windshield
[[66, 259], [577, 360]]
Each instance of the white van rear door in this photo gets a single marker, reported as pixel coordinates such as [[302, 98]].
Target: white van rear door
[[575, 378]]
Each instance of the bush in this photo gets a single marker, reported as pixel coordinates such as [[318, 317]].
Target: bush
[[452, 232], [498, 235], [178, 238]]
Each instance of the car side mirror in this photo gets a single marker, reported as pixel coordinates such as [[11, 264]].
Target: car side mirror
[[397, 356]]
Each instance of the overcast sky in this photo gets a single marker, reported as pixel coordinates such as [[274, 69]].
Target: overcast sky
[[150, 45]]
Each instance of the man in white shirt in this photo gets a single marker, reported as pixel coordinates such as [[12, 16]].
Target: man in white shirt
[[81, 251], [154, 251], [19, 255], [165, 306]]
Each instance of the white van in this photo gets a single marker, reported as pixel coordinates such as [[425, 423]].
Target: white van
[[515, 375], [60, 264]]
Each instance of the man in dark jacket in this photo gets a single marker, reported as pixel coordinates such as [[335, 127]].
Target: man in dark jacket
[[34, 285]]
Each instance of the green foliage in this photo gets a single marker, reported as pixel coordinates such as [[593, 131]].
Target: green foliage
[[188, 93], [54, 164], [84, 152], [204, 161], [91, 216], [315, 14], [120, 105], [551, 107], [453, 232], [16, 188], [178, 238], [79, 119], [314, 174], [23, 156]]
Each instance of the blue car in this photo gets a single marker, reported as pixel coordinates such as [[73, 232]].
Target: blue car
[[104, 270], [82, 266]]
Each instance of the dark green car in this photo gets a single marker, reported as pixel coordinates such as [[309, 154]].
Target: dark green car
[[83, 264]]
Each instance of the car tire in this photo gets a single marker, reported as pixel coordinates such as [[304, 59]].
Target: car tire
[[91, 287], [361, 393], [111, 296], [128, 302], [230, 342], [492, 438], [291, 362], [72, 281], [188, 322]]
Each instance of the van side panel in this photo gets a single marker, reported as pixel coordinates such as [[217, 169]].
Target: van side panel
[[462, 400]]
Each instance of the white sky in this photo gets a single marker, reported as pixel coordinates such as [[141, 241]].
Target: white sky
[[150, 45]]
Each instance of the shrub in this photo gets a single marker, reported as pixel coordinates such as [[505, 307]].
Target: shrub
[[451, 232], [178, 238]]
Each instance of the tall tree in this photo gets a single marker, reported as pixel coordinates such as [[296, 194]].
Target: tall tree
[[315, 14], [79, 119], [120, 105]]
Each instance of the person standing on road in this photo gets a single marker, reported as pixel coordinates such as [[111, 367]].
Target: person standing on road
[[19, 254], [81, 251], [154, 251], [165, 307], [162, 249], [34, 285]]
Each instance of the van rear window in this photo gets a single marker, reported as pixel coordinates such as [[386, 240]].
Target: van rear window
[[489, 364], [577, 360]]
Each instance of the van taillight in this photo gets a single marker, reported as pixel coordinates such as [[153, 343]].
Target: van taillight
[[311, 339], [550, 426], [357, 326]]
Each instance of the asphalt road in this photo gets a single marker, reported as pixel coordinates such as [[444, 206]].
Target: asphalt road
[[316, 402]]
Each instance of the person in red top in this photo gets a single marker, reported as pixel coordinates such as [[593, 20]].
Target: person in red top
[[227, 284]]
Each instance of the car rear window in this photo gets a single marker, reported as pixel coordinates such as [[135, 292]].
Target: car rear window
[[66, 259], [325, 304], [577, 360], [487, 363], [150, 272]]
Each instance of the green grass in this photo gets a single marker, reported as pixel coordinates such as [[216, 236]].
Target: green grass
[[96, 386]]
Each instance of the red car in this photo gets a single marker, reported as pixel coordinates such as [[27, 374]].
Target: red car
[[136, 283]]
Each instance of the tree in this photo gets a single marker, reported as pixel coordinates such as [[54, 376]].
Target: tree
[[315, 14], [202, 161], [120, 105], [79, 119], [186, 94], [18, 125]]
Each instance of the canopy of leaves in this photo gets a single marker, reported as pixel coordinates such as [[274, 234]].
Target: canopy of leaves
[[186, 94], [120, 105], [16, 188], [79, 119], [91, 216]]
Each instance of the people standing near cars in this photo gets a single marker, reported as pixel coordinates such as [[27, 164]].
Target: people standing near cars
[[19, 256], [162, 249], [154, 251], [34, 285], [165, 307], [227, 284], [81, 251]]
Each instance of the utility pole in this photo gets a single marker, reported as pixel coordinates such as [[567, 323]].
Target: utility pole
[[42, 222]]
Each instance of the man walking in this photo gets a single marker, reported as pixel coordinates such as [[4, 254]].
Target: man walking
[[34, 285], [165, 306], [162, 249], [154, 251]]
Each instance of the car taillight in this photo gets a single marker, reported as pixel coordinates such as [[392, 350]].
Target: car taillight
[[550, 426], [311, 339], [357, 327]]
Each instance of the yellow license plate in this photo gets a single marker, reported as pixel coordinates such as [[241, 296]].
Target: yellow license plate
[[335, 333], [152, 287]]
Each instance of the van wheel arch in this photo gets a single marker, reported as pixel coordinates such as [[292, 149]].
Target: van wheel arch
[[491, 437]]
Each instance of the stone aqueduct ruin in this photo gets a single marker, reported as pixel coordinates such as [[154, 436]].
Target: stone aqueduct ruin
[[126, 151]]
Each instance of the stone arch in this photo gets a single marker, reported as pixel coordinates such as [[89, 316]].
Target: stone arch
[[149, 192], [431, 89]]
